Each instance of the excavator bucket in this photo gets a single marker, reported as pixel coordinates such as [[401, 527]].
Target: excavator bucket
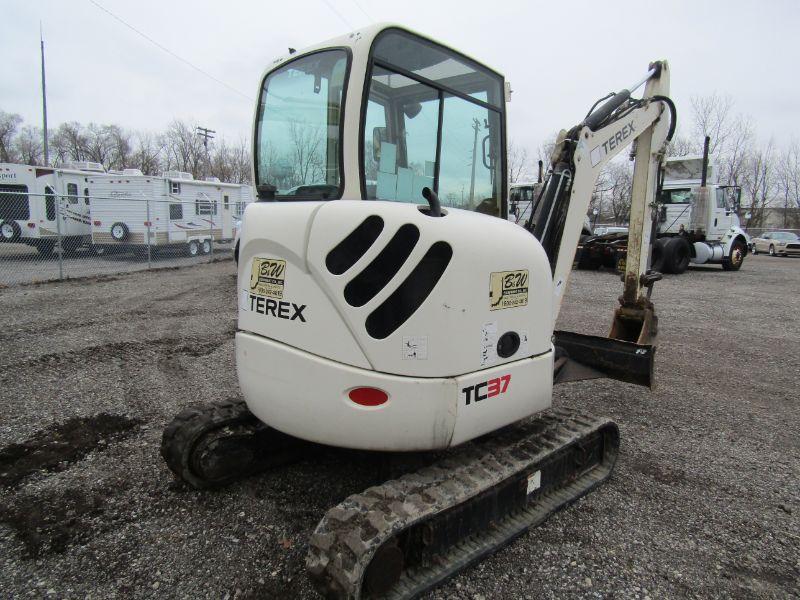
[[593, 357]]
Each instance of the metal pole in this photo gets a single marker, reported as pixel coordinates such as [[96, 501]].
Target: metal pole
[[213, 211], [60, 245], [44, 101], [147, 201]]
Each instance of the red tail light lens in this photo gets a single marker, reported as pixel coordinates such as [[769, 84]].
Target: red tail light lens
[[31, 225], [97, 223], [367, 396]]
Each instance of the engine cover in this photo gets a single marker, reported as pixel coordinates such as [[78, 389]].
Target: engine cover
[[386, 287]]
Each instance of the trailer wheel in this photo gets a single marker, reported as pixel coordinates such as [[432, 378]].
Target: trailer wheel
[[120, 231], [657, 259], [736, 256], [10, 231], [677, 253], [205, 247], [193, 248], [45, 247]]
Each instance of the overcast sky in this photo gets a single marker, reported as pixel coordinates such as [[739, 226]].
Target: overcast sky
[[558, 56]]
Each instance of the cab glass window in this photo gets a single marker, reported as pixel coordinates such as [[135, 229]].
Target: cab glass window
[[49, 204], [72, 193], [433, 119], [676, 196], [298, 131]]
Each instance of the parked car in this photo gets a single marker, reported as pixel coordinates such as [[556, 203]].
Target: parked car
[[777, 243], [604, 229]]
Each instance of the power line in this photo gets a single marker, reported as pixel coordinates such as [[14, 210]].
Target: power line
[[170, 52], [366, 14], [334, 11]]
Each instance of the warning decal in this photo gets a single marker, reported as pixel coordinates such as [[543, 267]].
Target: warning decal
[[267, 277], [508, 289]]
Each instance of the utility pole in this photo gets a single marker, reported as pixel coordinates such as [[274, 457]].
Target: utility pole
[[44, 101], [476, 125], [206, 134]]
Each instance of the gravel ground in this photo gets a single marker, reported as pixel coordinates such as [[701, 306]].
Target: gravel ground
[[705, 500], [23, 264]]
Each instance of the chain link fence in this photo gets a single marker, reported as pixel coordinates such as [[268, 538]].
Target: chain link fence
[[45, 237]]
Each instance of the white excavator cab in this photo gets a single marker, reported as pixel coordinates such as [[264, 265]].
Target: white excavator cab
[[381, 115]]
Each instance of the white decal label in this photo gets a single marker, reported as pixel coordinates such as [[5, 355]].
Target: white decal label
[[415, 347], [489, 343], [245, 300], [508, 289], [534, 482], [267, 277]]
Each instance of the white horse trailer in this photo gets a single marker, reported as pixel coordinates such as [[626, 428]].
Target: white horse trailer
[[131, 210], [39, 205]]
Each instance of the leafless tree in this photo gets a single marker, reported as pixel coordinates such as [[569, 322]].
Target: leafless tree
[[9, 123], [69, 142], [712, 117], [619, 178], [306, 153], [28, 146], [787, 178], [146, 153], [759, 183], [183, 149], [519, 164]]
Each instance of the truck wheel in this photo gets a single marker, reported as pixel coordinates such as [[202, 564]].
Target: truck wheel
[[10, 231], [193, 248], [657, 259], [771, 250], [677, 253], [120, 231], [736, 256]]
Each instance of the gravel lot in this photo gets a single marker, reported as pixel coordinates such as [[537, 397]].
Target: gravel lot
[[705, 500]]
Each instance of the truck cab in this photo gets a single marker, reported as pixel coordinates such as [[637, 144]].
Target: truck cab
[[697, 218]]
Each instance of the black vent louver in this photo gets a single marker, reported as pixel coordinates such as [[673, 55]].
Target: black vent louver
[[353, 247], [409, 296], [365, 286]]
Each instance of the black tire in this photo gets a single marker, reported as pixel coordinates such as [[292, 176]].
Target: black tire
[[772, 250], [45, 247], [120, 231], [657, 259], [736, 256], [193, 248], [205, 247], [236, 253], [10, 231], [754, 251], [677, 253]]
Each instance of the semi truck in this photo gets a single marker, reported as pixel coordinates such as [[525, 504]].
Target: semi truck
[[696, 222]]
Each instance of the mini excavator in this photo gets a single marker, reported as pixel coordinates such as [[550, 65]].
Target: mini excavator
[[386, 304]]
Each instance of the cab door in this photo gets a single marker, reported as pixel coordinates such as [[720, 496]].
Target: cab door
[[227, 214], [721, 213], [74, 220]]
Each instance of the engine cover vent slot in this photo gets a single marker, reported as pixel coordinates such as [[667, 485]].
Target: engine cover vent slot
[[380, 271], [409, 296], [353, 247]]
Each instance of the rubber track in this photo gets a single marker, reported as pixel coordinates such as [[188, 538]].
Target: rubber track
[[347, 537], [190, 427]]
